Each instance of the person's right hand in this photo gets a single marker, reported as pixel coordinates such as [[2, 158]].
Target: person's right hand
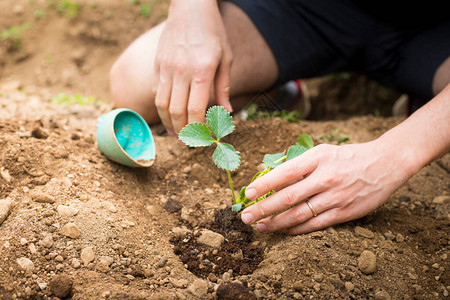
[[193, 58]]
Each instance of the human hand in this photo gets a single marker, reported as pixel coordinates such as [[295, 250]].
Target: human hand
[[342, 183], [193, 58]]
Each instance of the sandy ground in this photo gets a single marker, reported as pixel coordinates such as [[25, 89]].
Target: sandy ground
[[75, 225]]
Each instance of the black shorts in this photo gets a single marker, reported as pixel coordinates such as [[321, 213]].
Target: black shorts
[[312, 38]]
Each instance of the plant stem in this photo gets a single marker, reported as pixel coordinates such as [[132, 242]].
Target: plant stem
[[231, 186], [280, 159]]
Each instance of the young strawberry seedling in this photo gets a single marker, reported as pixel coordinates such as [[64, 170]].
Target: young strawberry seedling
[[219, 124], [304, 142]]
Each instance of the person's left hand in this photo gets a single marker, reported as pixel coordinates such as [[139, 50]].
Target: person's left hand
[[342, 183]]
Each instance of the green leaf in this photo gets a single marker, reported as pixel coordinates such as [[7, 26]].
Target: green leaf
[[305, 140], [295, 151], [219, 121], [273, 160], [196, 135], [225, 157], [242, 193], [236, 207]]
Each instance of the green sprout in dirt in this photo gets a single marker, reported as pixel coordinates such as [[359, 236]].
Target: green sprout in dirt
[[219, 124], [304, 142], [68, 8], [253, 113], [39, 14], [13, 35], [145, 10], [66, 100], [335, 137]]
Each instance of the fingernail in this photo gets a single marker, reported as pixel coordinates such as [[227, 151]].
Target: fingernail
[[247, 218], [250, 193], [261, 227], [170, 132]]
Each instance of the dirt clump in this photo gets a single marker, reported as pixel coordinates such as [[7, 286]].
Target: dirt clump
[[61, 286], [236, 254]]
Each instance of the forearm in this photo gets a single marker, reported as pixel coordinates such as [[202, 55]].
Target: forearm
[[175, 4], [423, 137]]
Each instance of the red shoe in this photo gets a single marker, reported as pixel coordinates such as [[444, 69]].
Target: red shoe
[[294, 95]]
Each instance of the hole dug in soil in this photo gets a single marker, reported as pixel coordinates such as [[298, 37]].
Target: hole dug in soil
[[237, 251]]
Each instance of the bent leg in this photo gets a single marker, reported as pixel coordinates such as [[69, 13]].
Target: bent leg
[[254, 67], [132, 74], [442, 77]]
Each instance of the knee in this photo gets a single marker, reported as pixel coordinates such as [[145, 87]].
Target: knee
[[129, 89], [117, 82], [441, 77]]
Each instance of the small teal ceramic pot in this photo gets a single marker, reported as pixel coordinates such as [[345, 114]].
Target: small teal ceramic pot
[[124, 137]]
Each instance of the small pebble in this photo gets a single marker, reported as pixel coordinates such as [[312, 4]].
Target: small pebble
[[367, 262], [47, 241], [441, 199], [25, 264], [162, 262], [298, 285], [361, 231], [382, 295], [41, 197], [210, 238], [66, 211], [32, 248], [399, 238], [199, 288], [349, 286], [87, 255], [75, 263], [318, 277], [71, 230], [39, 133], [5, 209]]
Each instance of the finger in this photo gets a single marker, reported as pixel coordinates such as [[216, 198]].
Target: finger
[[178, 102], [162, 100], [281, 175], [292, 217], [283, 199], [199, 94], [323, 220], [222, 84], [289, 183]]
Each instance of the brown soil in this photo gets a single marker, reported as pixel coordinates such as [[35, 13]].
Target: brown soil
[[83, 227], [237, 253]]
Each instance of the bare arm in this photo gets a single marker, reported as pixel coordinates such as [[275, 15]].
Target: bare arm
[[347, 182], [193, 58], [425, 135]]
